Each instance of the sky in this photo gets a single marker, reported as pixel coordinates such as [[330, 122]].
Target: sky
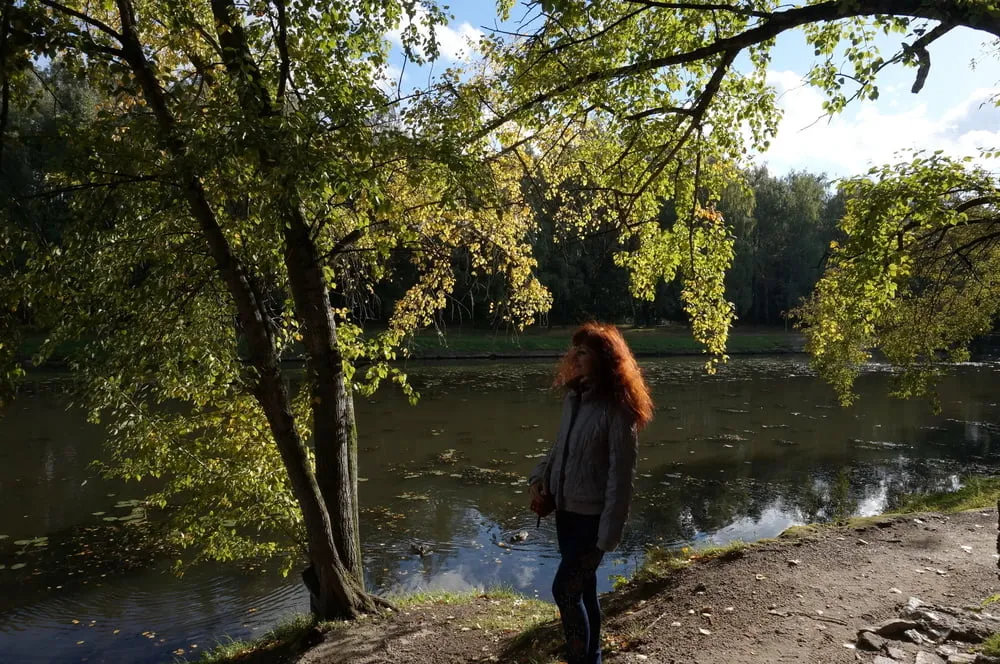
[[948, 114]]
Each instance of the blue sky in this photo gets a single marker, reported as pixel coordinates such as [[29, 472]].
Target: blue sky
[[948, 114]]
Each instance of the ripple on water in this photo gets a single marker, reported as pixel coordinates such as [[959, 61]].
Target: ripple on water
[[145, 617]]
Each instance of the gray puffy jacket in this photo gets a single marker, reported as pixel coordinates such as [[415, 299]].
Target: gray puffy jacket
[[591, 467]]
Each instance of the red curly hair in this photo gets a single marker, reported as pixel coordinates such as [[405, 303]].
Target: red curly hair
[[616, 372]]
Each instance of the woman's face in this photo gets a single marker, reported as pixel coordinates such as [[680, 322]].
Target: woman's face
[[584, 360]]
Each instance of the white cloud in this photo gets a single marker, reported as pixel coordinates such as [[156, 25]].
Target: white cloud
[[459, 44], [454, 44], [875, 133]]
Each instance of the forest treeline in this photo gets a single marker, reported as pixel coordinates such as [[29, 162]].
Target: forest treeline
[[782, 226]]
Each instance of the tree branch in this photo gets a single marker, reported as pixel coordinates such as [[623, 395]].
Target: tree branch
[[342, 244], [919, 50], [238, 59], [4, 75], [58, 191], [594, 35], [707, 6], [774, 24], [976, 202], [697, 114], [661, 110], [285, 68], [89, 20]]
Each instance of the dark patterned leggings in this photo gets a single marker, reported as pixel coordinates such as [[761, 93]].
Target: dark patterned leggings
[[575, 586]]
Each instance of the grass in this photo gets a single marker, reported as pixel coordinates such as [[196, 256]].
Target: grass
[[649, 341], [991, 646], [661, 563], [448, 598], [976, 493], [287, 638], [509, 610], [644, 341]]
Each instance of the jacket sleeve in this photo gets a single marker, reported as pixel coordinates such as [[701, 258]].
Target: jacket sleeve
[[622, 452], [538, 472]]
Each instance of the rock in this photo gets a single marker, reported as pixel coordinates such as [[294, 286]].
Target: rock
[[928, 617], [972, 632], [962, 658], [924, 657], [700, 588], [870, 641], [895, 591], [913, 604], [520, 536], [421, 550], [916, 637], [986, 659], [894, 628], [794, 562], [879, 659], [946, 650], [897, 654]]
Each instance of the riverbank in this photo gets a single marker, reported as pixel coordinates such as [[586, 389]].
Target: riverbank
[[546, 343], [802, 597], [473, 343]]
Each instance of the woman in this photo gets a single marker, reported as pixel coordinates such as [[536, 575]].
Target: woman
[[588, 475]]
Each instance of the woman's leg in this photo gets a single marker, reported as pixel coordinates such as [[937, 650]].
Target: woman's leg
[[593, 608], [575, 586]]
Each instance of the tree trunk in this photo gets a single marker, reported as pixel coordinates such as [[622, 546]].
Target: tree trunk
[[334, 429], [337, 593]]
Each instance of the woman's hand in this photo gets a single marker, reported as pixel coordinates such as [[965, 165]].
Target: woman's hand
[[536, 491]]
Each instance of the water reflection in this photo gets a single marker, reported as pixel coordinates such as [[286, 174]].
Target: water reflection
[[740, 455]]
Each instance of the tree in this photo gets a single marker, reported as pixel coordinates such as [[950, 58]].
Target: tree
[[245, 163], [642, 101], [917, 275]]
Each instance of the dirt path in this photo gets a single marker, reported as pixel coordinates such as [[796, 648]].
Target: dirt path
[[792, 600]]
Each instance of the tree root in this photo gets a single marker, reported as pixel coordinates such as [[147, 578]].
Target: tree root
[[383, 604]]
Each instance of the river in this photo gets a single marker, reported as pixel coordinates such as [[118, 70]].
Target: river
[[740, 455]]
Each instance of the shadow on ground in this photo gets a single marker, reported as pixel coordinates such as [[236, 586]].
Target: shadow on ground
[[544, 642]]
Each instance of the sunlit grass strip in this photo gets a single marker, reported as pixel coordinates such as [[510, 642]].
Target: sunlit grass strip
[[448, 598], [507, 610], [660, 563], [648, 341], [469, 341], [284, 637], [976, 493]]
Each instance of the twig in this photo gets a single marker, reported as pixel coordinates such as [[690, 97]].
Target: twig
[[789, 614], [650, 625]]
